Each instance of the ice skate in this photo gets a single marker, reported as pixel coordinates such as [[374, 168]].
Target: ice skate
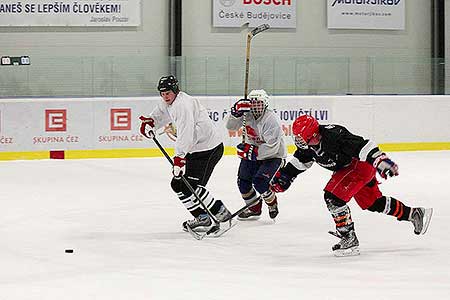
[[347, 246], [273, 209], [201, 223], [223, 214], [251, 213], [420, 217]]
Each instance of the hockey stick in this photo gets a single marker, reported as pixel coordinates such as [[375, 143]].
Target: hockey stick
[[186, 182], [241, 210], [250, 35]]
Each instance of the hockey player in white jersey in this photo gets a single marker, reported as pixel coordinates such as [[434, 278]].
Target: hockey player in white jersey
[[262, 152], [198, 148]]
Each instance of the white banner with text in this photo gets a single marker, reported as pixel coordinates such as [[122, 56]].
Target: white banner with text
[[366, 14], [70, 13], [236, 13]]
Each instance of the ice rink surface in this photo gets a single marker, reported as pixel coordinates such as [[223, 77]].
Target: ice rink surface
[[124, 224]]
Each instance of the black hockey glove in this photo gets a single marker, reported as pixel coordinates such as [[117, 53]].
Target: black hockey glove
[[281, 182]]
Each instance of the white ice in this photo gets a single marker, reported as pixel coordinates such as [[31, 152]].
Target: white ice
[[123, 222]]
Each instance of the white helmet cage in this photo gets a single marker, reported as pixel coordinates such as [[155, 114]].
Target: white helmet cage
[[260, 101]]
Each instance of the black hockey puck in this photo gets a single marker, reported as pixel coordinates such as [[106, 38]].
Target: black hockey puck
[[68, 250]]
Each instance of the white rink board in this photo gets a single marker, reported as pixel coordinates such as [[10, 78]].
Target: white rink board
[[113, 123]]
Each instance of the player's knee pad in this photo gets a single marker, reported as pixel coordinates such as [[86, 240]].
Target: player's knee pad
[[244, 186], [261, 184], [340, 212], [332, 201]]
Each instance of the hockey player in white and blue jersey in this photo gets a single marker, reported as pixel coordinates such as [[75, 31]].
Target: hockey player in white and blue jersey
[[262, 152]]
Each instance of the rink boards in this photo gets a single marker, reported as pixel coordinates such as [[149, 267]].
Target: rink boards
[[74, 128]]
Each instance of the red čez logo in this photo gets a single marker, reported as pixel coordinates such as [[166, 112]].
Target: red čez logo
[[55, 120], [120, 119]]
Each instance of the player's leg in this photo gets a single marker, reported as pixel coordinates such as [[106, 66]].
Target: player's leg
[[199, 167], [343, 185], [345, 228], [247, 170], [261, 182], [370, 198]]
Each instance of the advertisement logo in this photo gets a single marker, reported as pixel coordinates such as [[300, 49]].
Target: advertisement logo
[[120, 119], [365, 2], [55, 120]]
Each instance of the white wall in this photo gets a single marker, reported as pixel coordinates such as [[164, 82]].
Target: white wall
[[310, 39]]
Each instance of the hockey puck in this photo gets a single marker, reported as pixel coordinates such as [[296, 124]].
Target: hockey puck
[[68, 250]]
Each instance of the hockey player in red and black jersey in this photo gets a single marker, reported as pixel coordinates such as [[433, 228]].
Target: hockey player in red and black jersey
[[354, 162]]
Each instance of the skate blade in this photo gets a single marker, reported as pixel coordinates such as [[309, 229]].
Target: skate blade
[[195, 234], [222, 230], [426, 219], [353, 251], [335, 233], [252, 218]]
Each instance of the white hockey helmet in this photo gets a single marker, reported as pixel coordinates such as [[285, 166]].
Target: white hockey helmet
[[260, 101]]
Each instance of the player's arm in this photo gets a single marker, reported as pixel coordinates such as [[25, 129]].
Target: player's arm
[[237, 111], [365, 150], [302, 161], [380, 161], [185, 121], [158, 118]]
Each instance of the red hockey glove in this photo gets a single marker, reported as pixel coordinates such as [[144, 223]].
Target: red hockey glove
[[385, 167], [281, 182], [179, 166], [247, 151], [240, 108], [148, 133]]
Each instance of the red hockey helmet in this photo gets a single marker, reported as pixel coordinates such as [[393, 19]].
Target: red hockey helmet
[[304, 130]]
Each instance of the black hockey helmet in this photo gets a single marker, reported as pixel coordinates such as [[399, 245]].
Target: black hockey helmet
[[168, 83]]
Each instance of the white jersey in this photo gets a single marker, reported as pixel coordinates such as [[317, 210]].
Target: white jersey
[[195, 130], [265, 132]]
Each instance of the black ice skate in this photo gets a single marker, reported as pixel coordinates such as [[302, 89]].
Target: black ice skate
[[223, 214], [201, 223], [420, 217], [347, 246], [251, 213]]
